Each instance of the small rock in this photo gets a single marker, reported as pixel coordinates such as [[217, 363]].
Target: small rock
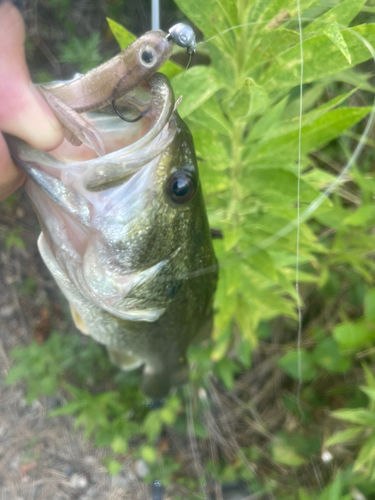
[[89, 460], [7, 311], [78, 481], [141, 468], [68, 470], [52, 402]]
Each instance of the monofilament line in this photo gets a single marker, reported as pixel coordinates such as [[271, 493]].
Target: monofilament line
[[299, 306]]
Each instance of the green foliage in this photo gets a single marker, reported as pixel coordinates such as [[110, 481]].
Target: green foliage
[[243, 110], [84, 52], [362, 431]]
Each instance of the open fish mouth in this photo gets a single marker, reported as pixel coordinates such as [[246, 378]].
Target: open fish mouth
[[89, 206]]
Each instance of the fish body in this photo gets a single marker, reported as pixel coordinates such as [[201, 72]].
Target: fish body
[[126, 236]]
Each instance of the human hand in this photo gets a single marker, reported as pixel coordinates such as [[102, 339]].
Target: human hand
[[23, 111]]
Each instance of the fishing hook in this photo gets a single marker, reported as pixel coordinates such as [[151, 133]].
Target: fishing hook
[[129, 120]]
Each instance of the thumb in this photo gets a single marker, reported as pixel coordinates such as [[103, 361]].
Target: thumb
[[23, 111]]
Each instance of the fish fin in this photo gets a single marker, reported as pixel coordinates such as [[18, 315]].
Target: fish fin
[[74, 125], [216, 234], [124, 360], [78, 321]]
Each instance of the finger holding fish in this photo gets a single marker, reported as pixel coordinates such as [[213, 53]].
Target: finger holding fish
[[21, 105]]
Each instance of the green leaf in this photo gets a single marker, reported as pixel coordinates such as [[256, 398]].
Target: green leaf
[[119, 445], [314, 135], [304, 496], [290, 364], [352, 335], [48, 385], [209, 117], [356, 416], [369, 391], [370, 379], [342, 13], [343, 436], [196, 86], [149, 454], [122, 35], [333, 491], [366, 456], [210, 16], [152, 426], [332, 31], [361, 216], [226, 370], [284, 454], [68, 408], [320, 60], [17, 372], [168, 416], [369, 304], [250, 100], [113, 467], [327, 355], [269, 45]]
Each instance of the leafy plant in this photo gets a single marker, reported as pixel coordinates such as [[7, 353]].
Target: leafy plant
[[84, 52], [256, 152]]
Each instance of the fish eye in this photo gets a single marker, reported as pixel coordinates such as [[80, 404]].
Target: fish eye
[[181, 187], [147, 56]]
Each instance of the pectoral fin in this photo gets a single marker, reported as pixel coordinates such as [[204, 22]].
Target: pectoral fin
[[78, 321]]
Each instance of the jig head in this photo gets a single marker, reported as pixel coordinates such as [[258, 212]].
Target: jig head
[[184, 36]]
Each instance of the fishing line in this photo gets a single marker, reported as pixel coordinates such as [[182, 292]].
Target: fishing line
[[299, 306], [181, 75]]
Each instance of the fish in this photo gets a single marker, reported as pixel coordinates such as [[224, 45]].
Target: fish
[[126, 235]]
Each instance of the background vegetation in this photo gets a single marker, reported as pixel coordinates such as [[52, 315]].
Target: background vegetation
[[293, 418]]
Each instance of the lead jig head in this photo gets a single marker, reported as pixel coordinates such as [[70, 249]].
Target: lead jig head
[[184, 36]]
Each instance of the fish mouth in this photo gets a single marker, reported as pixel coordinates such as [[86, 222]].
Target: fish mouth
[[72, 189], [128, 146]]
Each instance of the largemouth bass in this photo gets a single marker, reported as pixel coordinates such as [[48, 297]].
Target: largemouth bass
[[126, 235]]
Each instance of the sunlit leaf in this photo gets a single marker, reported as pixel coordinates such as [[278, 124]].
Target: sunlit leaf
[[353, 335], [343, 436], [196, 87]]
